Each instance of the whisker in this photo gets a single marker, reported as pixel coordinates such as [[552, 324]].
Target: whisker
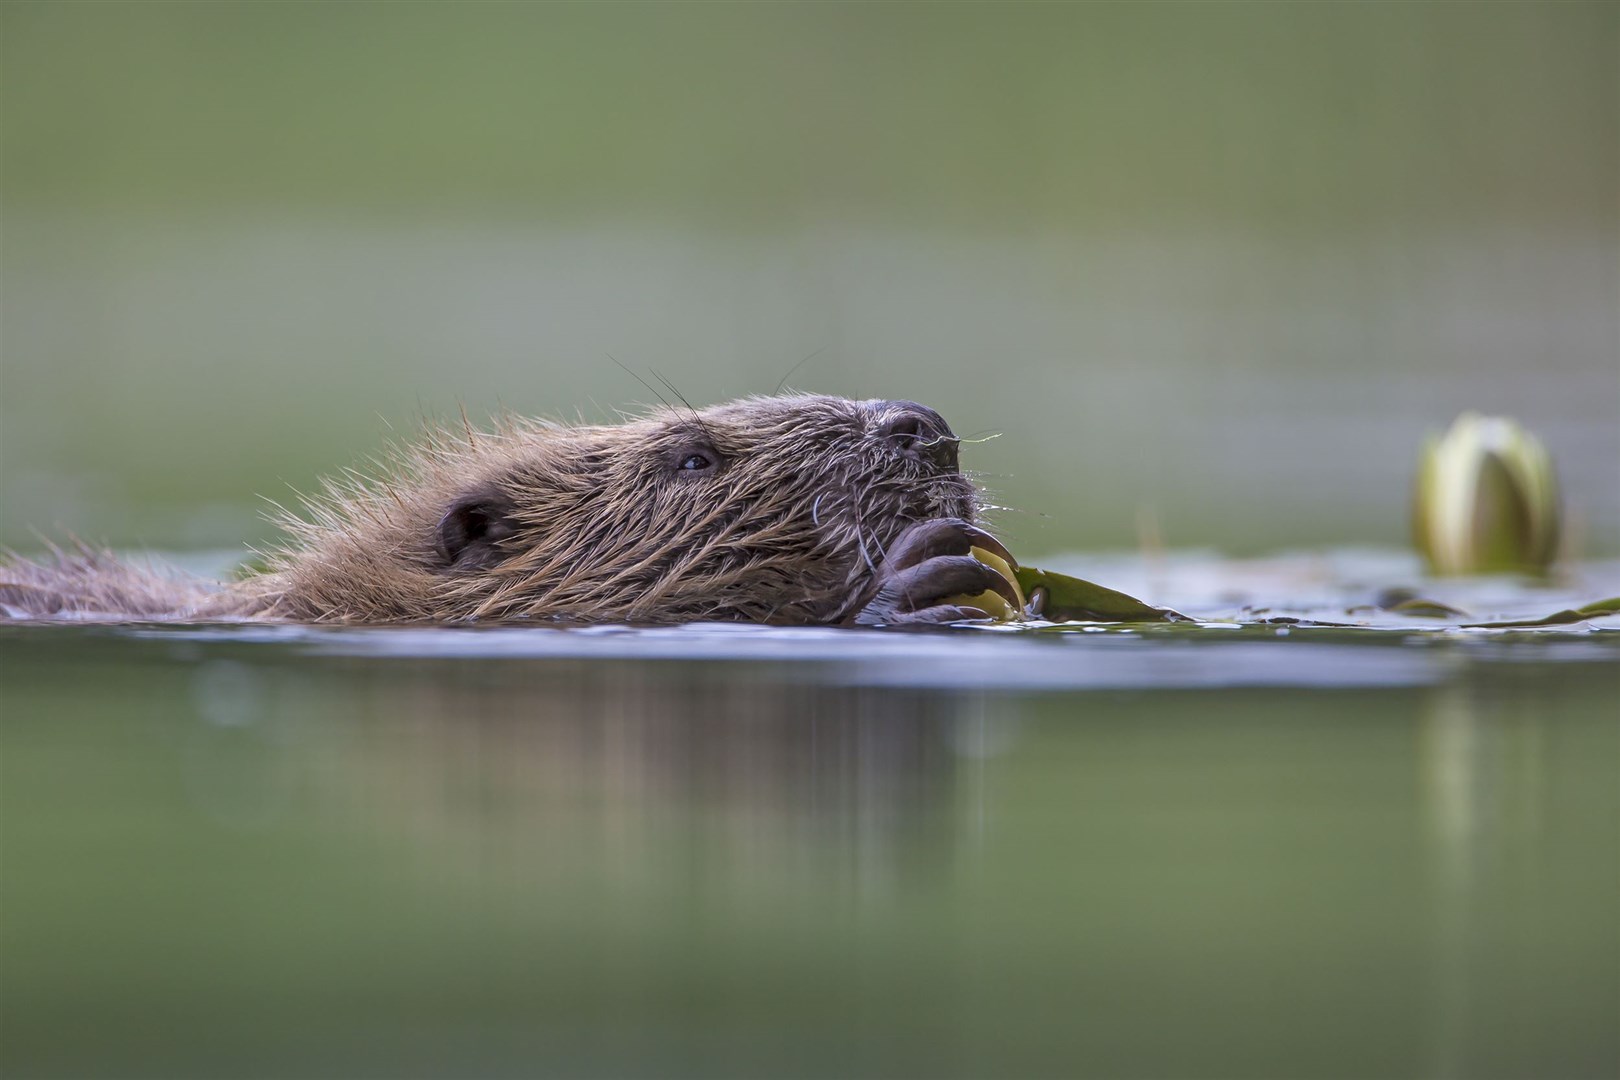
[[796, 367], [696, 419], [651, 388], [860, 540]]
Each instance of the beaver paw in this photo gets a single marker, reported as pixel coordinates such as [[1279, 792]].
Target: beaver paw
[[926, 565]]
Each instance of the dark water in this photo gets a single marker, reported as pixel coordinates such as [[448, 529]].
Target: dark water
[[724, 852]]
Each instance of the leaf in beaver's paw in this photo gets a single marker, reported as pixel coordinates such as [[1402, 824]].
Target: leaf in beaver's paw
[[1061, 598], [990, 601]]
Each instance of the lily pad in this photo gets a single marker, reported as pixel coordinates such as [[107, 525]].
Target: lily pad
[[1071, 599], [1593, 610], [1429, 609]]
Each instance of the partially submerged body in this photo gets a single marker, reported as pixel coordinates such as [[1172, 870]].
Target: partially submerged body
[[790, 510]]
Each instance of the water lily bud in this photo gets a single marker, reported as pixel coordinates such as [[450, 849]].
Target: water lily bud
[[1486, 499]]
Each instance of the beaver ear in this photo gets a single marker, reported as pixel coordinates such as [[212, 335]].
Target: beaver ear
[[470, 532]]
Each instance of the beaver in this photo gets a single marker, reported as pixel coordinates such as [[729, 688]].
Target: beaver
[[794, 509]]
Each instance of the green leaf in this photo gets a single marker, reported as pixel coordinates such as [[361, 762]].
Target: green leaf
[[1069, 599], [1429, 609], [1593, 610]]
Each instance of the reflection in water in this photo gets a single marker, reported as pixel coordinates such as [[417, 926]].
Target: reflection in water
[[470, 761], [1451, 783], [238, 772], [1485, 773], [246, 859]]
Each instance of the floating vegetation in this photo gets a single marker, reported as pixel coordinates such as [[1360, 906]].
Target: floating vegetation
[[1060, 598], [1348, 589]]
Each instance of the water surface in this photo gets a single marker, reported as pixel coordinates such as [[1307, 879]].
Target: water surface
[[722, 851]]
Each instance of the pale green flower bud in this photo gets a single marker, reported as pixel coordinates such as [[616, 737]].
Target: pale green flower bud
[[1486, 499]]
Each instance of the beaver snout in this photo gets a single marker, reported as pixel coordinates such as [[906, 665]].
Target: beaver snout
[[922, 433]]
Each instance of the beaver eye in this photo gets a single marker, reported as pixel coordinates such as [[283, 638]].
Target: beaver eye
[[692, 456], [697, 461]]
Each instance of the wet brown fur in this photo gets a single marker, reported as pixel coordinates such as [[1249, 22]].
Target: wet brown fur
[[596, 523]]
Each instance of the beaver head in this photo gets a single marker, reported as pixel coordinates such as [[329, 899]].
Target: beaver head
[[774, 509]]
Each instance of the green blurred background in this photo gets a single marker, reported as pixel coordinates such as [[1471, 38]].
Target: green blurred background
[[1211, 271], [1213, 267]]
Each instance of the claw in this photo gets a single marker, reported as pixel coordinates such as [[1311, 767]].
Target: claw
[[941, 536], [950, 575], [942, 615], [929, 576], [937, 615]]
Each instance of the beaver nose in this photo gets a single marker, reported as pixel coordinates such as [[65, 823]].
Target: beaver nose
[[921, 432]]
